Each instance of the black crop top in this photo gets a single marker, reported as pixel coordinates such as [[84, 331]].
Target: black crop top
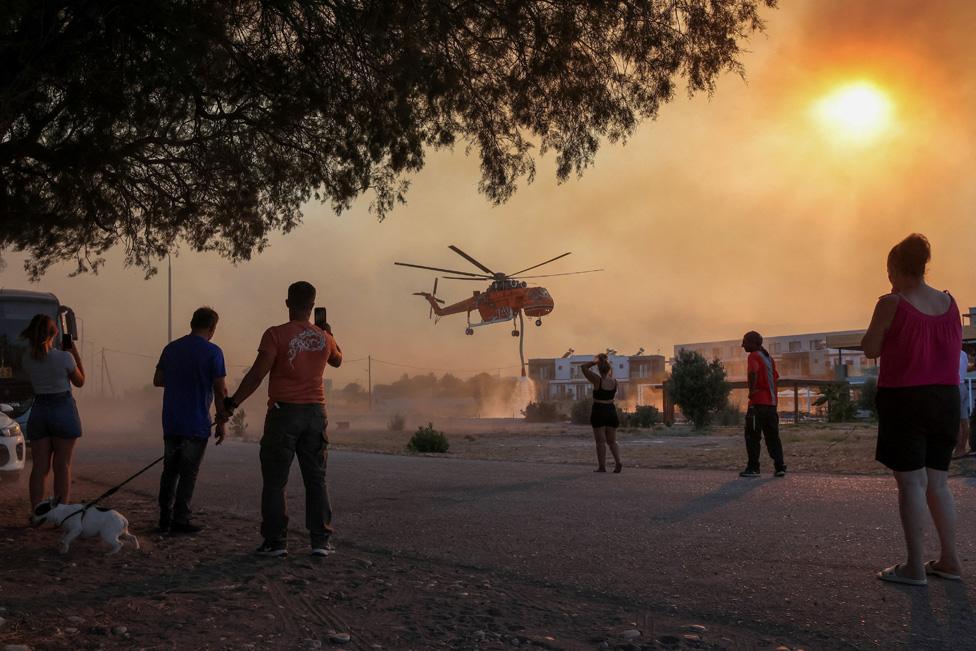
[[605, 394]]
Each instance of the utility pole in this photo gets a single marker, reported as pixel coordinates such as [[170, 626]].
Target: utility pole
[[369, 380], [101, 388], [169, 304]]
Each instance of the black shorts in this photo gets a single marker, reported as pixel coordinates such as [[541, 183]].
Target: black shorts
[[917, 426], [604, 415]]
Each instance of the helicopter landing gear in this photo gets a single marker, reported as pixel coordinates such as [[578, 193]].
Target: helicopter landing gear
[[515, 333], [469, 331], [538, 322]]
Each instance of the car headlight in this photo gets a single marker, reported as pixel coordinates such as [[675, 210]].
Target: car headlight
[[11, 430]]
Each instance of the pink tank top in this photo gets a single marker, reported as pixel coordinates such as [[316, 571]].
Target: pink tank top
[[920, 349]]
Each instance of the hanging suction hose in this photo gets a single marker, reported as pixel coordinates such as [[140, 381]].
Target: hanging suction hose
[[522, 342]]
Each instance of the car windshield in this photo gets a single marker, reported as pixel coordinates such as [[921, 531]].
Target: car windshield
[[15, 315]]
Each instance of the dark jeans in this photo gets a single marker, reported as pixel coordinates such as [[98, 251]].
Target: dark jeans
[[762, 420], [295, 430], [181, 463]]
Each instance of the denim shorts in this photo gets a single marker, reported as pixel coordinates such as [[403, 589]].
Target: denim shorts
[[53, 414]]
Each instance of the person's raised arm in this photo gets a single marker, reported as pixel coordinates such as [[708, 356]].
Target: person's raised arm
[[335, 359], [884, 313], [588, 374], [76, 376]]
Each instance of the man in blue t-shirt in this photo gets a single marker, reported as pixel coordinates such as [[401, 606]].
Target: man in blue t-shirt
[[191, 371]]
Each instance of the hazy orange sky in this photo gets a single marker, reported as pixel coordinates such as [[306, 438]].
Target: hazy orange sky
[[728, 213]]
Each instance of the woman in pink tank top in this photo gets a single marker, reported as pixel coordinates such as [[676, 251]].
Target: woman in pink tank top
[[917, 333]]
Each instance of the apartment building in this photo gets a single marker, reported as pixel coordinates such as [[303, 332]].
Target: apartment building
[[797, 356], [559, 379]]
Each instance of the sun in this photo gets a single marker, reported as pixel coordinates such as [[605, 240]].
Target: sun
[[856, 112]]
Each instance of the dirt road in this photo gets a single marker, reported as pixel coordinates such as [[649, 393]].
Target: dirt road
[[462, 554]]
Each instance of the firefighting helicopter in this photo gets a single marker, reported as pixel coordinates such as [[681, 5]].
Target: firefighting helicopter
[[507, 297]]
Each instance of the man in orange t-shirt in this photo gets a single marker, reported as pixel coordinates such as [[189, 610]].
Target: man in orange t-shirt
[[295, 355], [762, 419]]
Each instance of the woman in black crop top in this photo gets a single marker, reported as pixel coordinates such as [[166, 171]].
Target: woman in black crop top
[[603, 417]]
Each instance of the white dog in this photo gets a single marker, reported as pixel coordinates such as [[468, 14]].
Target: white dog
[[96, 521]]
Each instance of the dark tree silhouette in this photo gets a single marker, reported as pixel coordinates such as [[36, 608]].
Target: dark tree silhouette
[[211, 122]]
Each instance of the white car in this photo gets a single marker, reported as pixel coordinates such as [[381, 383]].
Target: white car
[[13, 452]]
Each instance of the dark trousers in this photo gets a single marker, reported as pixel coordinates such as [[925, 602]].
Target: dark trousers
[[292, 430], [181, 463], [763, 421]]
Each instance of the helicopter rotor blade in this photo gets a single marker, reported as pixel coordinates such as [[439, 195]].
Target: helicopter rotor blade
[[471, 260], [463, 278], [540, 264], [568, 273], [450, 271]]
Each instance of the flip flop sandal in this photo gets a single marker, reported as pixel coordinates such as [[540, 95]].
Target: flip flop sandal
[[891, 575], [948, 576]]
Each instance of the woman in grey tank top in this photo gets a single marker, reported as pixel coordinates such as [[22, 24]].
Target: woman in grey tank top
[[54, 424]]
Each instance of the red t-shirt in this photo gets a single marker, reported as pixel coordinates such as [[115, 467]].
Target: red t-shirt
[[764, 390], [301, 351]]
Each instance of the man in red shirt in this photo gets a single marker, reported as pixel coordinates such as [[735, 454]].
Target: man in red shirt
[[761, 416], [295, 355]]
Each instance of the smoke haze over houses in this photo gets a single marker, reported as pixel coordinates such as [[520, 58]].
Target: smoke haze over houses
[[728, 213]]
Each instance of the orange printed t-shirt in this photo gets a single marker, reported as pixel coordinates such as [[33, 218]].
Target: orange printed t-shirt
[[764, 390], [301, 352]]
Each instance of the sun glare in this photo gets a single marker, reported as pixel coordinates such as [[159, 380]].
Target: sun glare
[[857, 112]]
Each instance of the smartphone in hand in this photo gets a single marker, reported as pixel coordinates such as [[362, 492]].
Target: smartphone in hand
[[320, 317], [66, 343]]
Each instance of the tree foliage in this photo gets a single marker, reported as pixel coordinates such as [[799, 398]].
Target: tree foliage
[[542, 412], [837, 397], [481, 387], [210, 123], [697, 386], [866, 396]]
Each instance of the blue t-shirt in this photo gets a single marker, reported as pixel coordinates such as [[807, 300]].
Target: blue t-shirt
[[190, 365]]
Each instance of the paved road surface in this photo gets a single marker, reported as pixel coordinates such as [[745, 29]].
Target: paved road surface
[[793, 558]]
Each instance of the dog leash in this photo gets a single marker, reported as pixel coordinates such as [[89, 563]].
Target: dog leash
[[111, 491]]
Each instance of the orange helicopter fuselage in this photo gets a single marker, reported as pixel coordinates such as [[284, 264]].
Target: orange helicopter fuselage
[[501, 302]]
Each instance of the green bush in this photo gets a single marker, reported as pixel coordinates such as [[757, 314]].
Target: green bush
[[428, 439], [730, 415], [542, 412], [865, 398], [397, 423], [837, 397], [580, 414], [643, 416], [697, 386]]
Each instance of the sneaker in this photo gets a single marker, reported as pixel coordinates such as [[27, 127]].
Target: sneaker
[[274, 549], [323, 549], [185, 527], [164, 525], [780, 472], [749, 472]]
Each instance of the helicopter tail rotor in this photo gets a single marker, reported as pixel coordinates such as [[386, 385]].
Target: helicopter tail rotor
[[431, 295]]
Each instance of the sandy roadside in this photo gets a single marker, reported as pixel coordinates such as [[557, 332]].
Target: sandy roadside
[[210, 592]]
